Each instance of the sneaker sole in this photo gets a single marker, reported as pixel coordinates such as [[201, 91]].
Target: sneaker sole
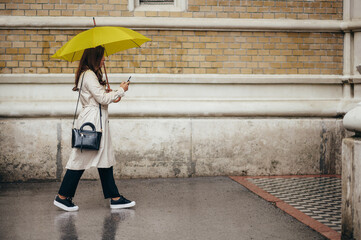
[[118, 206], [65, 208]]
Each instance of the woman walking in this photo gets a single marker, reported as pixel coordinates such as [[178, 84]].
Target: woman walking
[[88, 78]]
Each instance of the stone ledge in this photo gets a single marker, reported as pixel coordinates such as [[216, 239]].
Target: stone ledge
[[172, 95], [192, 24], [179, 108], [187, 108], [187, 78]]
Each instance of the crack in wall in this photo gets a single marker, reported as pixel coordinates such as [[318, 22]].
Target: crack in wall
[[59, 161]]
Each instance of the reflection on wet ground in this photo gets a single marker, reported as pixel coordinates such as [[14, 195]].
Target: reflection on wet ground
[[111, 222], [65, 222], [177, 209]]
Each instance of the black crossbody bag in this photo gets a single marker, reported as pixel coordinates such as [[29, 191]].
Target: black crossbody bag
[[86, 139]]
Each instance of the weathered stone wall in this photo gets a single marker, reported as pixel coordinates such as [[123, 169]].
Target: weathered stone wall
[[351, 189], [38, 149]]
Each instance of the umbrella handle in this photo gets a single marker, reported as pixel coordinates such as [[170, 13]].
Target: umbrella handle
[[108, 86]]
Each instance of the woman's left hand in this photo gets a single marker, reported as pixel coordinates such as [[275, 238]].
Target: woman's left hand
[[125, 86]]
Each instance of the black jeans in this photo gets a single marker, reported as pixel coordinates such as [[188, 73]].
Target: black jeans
[[72, 177]]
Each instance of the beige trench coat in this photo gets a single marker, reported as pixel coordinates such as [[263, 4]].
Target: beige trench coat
[[92, 93]]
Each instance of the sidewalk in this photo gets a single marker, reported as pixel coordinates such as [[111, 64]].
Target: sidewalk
[[314, 200], [180, 208]]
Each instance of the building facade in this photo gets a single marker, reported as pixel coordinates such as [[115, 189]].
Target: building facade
[[237, 87]]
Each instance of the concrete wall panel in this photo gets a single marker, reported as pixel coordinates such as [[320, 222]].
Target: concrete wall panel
[[351, 188], [152, 147], [266, 147], [356, 168], [28, 149], [179, 147]]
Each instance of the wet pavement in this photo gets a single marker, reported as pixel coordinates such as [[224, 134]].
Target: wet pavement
[[172, 209]]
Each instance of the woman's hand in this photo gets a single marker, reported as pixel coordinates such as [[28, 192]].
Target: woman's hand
[[125, 86]]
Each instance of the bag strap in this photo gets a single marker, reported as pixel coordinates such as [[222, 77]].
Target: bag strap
[[100, 113], [77, 103]]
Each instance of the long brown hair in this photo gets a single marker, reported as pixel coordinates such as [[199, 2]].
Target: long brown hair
[[90, 61]]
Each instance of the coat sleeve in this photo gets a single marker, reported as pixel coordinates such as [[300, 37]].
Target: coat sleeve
[[98, 91]]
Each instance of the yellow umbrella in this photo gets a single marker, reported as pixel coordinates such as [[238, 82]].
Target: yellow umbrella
[[113, 39]]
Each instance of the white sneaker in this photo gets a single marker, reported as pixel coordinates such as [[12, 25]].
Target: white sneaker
[[65, 204], [122, 202]]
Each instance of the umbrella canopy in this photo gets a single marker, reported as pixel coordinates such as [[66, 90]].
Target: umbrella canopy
[[113, 39]]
